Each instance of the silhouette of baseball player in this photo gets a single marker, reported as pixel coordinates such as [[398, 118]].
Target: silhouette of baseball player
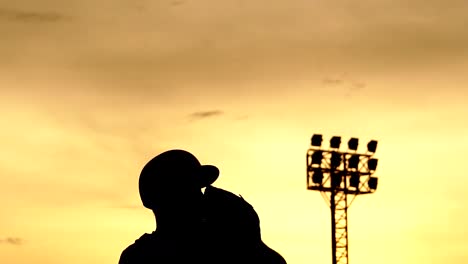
[[194, 227]]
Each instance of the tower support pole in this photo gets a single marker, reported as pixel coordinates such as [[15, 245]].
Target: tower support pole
[[333, 225], [339, 216]]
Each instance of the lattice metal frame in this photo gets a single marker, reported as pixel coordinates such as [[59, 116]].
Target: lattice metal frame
[[338, 192]]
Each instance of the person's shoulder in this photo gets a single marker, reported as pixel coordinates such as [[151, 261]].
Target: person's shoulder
[[132, 253], [127, 255], [227, 207], [223, 196]]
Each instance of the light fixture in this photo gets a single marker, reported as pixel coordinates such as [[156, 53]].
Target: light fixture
[[353, 143], [336, 179], [335, 160], [353, 162], [335, 142], [372, 164], [354, 180], [317, 177], [317, 157], [316, 140], [372, 146], [373, 183]]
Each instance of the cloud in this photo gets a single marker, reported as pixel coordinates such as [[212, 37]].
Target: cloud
[[29, 16], [177, 2], [358, 86], [352, 86], [16, 241], [332, 81], [205, 114], [355, 88]]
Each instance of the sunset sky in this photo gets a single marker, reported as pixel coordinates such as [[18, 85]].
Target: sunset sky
[[93, 89]]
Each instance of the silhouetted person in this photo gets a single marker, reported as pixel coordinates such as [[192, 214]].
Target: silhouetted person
[[192, 227], [233, 229]]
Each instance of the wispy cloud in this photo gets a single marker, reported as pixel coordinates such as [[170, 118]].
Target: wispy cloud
[[358, 85], [354, 88], [16, 241], [351, 85], [177, 2], [29, 16], [332, 81], [205, 114]]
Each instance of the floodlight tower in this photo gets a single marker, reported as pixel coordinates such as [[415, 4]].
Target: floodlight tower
[[340, 176]]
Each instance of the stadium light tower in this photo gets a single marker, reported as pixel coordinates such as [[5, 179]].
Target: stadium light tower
[[340, 176]]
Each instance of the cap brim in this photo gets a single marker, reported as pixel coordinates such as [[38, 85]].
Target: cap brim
[[207, 175]]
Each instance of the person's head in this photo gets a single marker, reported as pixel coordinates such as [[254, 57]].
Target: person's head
[[170, 184]]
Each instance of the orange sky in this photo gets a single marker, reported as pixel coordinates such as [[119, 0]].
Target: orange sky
[[91, 90]]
